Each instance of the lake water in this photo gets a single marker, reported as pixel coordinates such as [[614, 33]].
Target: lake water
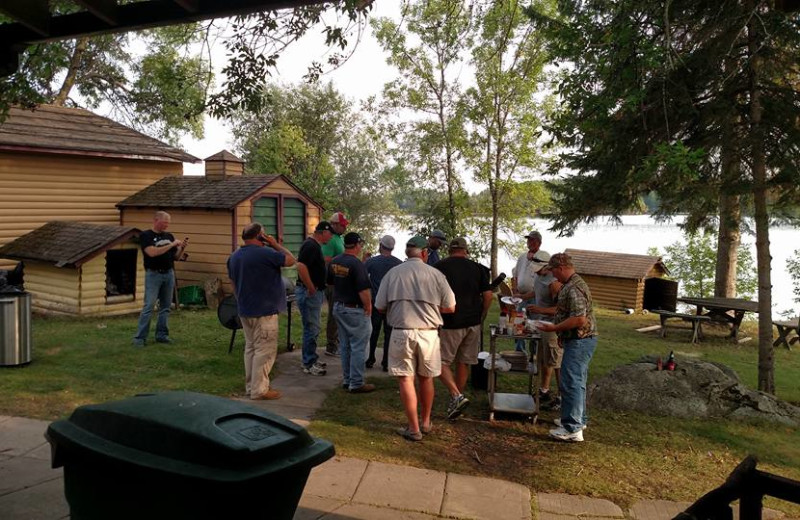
[[638, 233]]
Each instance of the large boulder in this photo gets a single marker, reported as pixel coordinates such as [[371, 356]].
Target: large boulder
[[695, 389]]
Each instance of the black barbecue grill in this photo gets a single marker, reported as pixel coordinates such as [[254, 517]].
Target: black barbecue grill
[[228, 315]]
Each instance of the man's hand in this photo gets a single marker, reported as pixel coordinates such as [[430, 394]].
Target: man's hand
[[271, 241], [546, 327]]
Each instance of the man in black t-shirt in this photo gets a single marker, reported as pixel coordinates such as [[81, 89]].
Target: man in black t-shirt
[[160, 249], [352, 306], [309, 292], [460, 335]]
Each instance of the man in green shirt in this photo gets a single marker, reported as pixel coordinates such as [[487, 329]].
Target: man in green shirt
[[332, 249]]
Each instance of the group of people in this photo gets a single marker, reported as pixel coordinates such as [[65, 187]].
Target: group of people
[[430, 309]]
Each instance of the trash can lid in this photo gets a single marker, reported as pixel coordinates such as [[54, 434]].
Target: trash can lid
[[187, 433]]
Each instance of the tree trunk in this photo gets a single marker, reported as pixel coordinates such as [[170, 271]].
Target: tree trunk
[[766, 373], [72, 71]]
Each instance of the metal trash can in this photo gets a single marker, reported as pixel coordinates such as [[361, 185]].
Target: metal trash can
[[15, 328], [182, 455]]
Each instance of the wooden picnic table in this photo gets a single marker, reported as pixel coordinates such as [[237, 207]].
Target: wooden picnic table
[[729, 310]]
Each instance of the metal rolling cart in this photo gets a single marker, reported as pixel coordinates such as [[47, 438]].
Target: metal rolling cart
[[521, 404]]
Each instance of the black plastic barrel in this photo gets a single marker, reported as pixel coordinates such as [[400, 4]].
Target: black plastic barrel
[[182, 455]]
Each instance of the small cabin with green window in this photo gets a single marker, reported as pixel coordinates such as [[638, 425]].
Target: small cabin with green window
[[212, 210]]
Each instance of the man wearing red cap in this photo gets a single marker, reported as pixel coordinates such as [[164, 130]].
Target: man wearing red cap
[[333, 248]]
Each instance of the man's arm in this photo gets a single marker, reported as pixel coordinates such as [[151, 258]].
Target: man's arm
[[573, 322], [487, 303], [289, 260], [305, 278], [152, 251], [366, 301], [550, 311]]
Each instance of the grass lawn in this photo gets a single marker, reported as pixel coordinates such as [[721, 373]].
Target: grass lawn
[[626, 457]]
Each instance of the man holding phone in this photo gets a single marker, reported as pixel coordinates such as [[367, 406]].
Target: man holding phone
[[160, 250], [255, 271]]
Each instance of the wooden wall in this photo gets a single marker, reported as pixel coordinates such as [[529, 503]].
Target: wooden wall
[[38, 188], [616, 293], [93, 287], [211, 240]]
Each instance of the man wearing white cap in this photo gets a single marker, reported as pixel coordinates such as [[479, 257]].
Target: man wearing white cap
[[377, 267], [522, 283], [333, 248]]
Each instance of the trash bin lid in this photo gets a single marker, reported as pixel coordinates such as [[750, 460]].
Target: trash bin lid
[[187, 433]]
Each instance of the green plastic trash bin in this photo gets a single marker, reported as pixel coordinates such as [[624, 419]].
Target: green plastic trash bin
[[182, 455]]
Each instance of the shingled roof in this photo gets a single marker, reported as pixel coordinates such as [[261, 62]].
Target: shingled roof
[[75, 131], [198, 192], [66, 244], [615, 265]]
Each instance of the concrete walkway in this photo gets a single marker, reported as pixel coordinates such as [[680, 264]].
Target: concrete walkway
[[342, 488]]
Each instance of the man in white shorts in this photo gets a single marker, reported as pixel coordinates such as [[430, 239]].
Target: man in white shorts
[[414, 296]]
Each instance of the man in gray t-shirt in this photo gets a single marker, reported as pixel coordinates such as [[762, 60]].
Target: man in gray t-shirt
[[545, 288]]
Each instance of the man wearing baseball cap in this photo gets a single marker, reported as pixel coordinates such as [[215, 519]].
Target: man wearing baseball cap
[[308, 293], [377, 267], [460, 335], [414, 296], [333, 248], [546, 288], [522, 283], [435, 241], [577, 329], [352, 307]]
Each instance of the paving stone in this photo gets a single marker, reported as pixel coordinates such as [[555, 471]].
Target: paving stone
[[19, 435], [312, 508], [21, 472], [657, 509], [556, 516], [337, 478], [401, 487], [41, 502], [485, 498], [573, 505], [41, 453], [365, 512]]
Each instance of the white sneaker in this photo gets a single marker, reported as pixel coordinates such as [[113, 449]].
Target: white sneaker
[[314, 370], [557, 422], [563, 435]]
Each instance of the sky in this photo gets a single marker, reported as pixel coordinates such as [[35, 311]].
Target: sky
[[363, 75]]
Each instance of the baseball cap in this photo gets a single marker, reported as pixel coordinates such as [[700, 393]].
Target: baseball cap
[[534, 234], [351, 239], [438, 233], [324, 225], [417, 241], [387, 241], [339, 218], [540, 259], [458, 243]]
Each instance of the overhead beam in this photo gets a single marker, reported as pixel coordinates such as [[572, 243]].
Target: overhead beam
[[106, 10], [136, 16], [32, 14], [190, 5]]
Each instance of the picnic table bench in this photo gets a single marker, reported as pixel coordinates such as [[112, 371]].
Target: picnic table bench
[[695, 319], [785, 328]]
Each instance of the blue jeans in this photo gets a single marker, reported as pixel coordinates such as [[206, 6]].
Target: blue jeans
[[355, 329], [574, 374], [310, 313], [157, 286]]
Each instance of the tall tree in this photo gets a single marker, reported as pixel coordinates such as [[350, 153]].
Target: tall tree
[[161, 90], [648, 98], [428, 51], [504, 110]]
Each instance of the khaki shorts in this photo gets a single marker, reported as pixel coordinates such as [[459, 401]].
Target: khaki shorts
[[460, 345], [415, 352], [551, 351]]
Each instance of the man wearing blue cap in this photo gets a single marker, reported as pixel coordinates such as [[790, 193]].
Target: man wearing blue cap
[[352, 307]]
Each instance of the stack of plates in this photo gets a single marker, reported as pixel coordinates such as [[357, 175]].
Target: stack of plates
[[518, 360]]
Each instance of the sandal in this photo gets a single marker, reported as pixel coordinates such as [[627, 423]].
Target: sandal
[[426, 430], [409, 435]]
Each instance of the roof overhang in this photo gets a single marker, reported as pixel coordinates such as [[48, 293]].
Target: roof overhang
[[33, 22]]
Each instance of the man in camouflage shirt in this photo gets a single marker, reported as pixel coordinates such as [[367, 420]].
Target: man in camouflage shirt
[[577, 331]]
